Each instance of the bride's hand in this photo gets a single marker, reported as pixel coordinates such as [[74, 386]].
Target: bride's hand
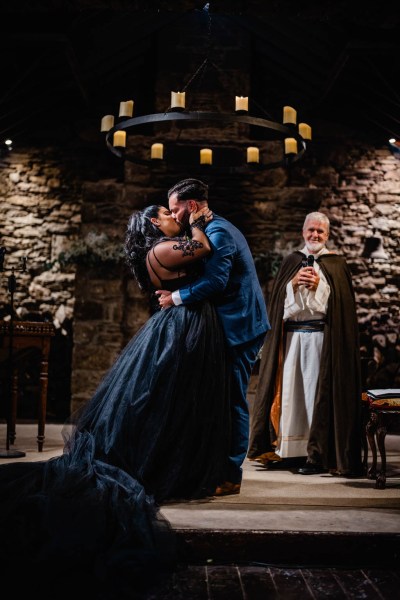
[[205, 214]]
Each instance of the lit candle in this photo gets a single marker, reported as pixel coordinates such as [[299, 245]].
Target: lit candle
[[305, 131], [289, 115], [119, 139], [157, 151], [178, 100], [126, 108], [241, 103], [253, 155], [107, 122], [290, 146], [205, 156]]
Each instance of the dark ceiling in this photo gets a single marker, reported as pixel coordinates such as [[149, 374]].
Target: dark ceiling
[[64, 65]]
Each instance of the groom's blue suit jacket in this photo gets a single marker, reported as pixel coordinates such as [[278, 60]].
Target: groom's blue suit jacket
[[230, 281]]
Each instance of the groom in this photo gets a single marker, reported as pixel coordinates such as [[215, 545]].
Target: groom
[[230, 281]]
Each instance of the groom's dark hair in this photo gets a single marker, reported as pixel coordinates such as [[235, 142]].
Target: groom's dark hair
[[189, 189]]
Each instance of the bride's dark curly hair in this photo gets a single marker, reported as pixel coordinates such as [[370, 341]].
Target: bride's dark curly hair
[[141, 235]]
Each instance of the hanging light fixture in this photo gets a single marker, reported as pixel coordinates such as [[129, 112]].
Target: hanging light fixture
[[120, 135]]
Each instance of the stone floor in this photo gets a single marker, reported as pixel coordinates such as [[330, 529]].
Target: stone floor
[[284, 536]]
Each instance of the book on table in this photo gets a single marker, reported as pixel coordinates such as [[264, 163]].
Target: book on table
[[384, 393]]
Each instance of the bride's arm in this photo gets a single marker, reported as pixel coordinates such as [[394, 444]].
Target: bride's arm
[[176, 253]]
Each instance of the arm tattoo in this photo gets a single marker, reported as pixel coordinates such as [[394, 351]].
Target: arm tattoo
[[200, 223], [188, 247]]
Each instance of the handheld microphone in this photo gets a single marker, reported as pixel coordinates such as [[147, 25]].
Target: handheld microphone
[[308, 262]]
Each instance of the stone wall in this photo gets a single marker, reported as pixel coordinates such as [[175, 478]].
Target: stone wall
[[47, 203], [41, 215]]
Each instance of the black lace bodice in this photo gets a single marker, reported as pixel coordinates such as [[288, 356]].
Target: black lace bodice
[[174, 284]]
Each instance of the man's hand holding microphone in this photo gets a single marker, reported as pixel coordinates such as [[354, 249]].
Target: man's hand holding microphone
[[306, 276]]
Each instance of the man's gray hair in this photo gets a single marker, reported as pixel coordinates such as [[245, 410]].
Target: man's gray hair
[[318, 216]]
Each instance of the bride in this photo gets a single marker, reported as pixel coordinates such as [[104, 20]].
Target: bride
[[155, 430]]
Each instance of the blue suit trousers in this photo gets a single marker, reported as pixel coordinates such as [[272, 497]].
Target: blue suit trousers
[[243, 357]]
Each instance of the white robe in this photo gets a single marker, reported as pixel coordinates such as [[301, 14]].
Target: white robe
[[301, 365]]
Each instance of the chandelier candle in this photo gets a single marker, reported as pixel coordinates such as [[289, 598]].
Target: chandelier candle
[[241, 103], [290, 146], [289, 115], [119, 139], [126, 108], [305, 131], [178, 100], [253, 155], [157, 151], [206, 156], [107, 122]]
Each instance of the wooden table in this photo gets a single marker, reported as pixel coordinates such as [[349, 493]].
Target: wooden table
[[25, 335]]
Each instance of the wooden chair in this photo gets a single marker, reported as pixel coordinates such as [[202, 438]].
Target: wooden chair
[[383, 413]]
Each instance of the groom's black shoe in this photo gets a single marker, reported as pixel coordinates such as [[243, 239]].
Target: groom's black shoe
[[311, 469]]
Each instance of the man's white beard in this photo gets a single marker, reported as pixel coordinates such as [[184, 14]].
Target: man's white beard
[[314, 247]]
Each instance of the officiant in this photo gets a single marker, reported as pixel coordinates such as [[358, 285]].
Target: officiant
[[308, 398]]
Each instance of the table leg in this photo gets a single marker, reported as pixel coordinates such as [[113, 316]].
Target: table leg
[[381, 436], [371, 429], [364, 440]]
